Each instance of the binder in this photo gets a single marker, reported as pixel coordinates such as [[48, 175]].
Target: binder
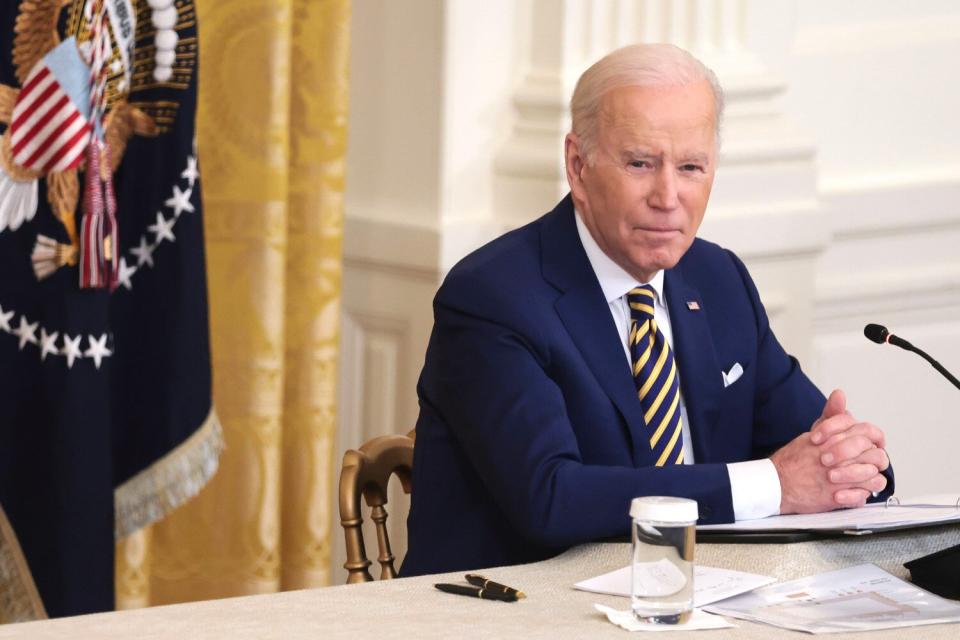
[[894, 514]]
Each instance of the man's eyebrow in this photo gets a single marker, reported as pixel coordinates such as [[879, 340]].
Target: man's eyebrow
[[639, 152], [699, 157]]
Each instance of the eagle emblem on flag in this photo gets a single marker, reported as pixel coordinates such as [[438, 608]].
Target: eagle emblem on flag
[[49, 118], [106, 415]]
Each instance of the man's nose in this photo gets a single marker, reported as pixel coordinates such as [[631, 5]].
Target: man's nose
[[664, 192]]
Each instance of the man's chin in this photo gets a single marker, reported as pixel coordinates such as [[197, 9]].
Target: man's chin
[[655, 258], [664, 252], [644, 270]]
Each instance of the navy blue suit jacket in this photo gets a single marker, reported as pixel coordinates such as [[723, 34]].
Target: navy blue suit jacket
[[531, 438]]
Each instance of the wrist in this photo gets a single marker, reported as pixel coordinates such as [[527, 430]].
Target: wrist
[[785, 503]]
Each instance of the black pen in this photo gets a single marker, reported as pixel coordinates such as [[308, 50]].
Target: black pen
[[476, 592], [480, 581]]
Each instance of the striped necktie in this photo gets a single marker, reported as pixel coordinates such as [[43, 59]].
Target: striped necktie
[[655, 375]]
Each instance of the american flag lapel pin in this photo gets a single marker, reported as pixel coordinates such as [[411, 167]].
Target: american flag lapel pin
[[693, 305]]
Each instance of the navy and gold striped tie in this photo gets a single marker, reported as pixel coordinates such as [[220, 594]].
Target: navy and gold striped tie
[[656, 377]]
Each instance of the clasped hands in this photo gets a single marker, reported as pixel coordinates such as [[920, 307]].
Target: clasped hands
[[838, 463]]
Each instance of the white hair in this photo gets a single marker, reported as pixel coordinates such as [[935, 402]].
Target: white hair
[[635, 65]]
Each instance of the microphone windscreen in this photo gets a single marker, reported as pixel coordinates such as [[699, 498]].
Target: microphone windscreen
[[875, 332]]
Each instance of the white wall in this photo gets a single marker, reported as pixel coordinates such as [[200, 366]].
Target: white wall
[[871, 81], [839, 182]]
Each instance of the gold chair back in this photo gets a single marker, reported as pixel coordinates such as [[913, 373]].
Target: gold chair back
[[366, 472]]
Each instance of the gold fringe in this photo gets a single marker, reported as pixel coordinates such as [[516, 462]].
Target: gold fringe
[[171, 481], [19, 600]]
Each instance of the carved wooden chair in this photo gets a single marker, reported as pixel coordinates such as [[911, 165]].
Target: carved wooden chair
[[366, 472]]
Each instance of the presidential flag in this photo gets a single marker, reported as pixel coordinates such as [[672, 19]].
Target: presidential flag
[[106, 420]]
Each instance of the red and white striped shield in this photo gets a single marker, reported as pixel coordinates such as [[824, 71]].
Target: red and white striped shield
[[50, 127]]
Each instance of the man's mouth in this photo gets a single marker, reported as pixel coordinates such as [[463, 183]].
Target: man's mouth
[[658, 230]]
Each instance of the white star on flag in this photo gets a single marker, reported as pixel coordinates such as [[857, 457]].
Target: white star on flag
[[163, 229], [125, 273], [191, 173], [27, 332], [71, 349], [144, 252], [180, 201], [97, 349], [48, 343], [5, 320]]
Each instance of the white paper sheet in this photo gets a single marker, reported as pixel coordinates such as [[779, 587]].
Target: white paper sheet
[[859, 598], [698, 620], [921, 511], [709, 583]]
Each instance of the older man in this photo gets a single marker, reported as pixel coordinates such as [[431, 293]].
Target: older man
[[603, 352]]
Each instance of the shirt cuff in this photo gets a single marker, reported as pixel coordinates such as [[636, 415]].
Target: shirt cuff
[[754, 489]]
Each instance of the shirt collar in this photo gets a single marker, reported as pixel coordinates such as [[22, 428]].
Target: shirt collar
[[614, 281]]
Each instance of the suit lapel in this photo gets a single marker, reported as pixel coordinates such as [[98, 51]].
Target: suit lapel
[[586, 315], [700, 378]]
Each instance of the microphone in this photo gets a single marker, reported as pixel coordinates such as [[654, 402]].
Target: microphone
[[879, 334], [937, 572]]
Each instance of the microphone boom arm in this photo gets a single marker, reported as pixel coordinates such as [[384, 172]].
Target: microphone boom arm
[[920, 352]]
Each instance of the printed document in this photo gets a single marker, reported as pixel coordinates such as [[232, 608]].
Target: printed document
[[859, 598]]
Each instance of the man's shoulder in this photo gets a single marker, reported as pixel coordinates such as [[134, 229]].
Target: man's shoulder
[[510, 277], [705, 257], [514, 249], [514, 259], [705, 251]]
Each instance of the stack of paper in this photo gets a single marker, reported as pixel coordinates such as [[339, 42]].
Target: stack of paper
[[860, 598], [923, 511]]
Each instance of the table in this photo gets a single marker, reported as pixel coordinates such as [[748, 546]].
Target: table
[[411, 608]]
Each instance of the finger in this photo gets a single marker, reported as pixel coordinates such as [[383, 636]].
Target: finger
[[853, 497], [872, 432], [835, 405], [845, 450], [876, 456], [876, 484], [827, 427], [852, 473]]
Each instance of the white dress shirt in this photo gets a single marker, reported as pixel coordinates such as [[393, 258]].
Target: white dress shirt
[[754, 485]]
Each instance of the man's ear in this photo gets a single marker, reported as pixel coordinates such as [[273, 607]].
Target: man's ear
[[574, 162]]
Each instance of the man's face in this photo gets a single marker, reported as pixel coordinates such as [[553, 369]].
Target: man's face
[[643, 191]]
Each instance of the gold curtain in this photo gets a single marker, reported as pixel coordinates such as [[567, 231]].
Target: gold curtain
[[272, 145]]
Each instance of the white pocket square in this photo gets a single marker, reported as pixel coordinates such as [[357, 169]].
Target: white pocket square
[[729, 377]]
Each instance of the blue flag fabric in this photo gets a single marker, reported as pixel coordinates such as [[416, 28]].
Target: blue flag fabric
[[106, 420]]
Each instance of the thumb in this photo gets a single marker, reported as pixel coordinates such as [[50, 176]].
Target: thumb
[[836, 404]]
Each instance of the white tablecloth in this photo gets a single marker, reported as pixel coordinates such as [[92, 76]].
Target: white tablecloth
[[412, 608]]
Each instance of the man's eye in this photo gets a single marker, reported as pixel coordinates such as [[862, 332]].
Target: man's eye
[[639, 164], [691, 167]]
